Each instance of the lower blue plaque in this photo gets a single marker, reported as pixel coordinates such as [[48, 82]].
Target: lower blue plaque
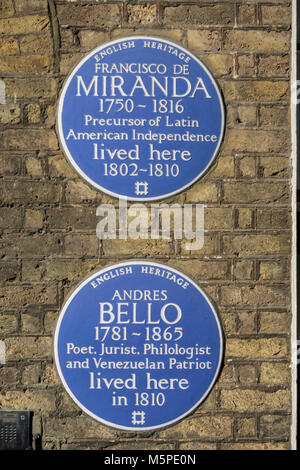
[[138, 345]]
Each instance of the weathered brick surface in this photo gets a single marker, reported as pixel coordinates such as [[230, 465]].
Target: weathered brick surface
[[89, 15], [24, 24], [48, 215], [254, 400], [262, 40]]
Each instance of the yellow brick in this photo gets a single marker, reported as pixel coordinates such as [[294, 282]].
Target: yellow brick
[[247, 167], [33, 87], [274, 166], [254, 400], [273, 373], [218, 218], [8, 46], [201, 426], [256, 446], [197, 445], [31, 5], [246, 322], [246, 427], [274, 115], [50, 376], [244, 219], [10, 113], [141, 14], [202, 270], [33, 219], [257, 295], [36, 43], [242, 140], [256, 90], [76, 191], [256, 244], [274, 322], [209, 246], [202, 192], [203, 40], [75, 427], [229, 323], [20, 296], [24, 24], [222, 168], [28, 348], [243, 269], [253, 192], [33, 139], [247, 115], [273, 270], [34, 400], [257, 41], [276, 14], [8, 324], [6, 8], [199, 14], [218, 64], [26, 64], [274, 66], [69, 60], [246, 14], [246, 65], [58, 166], [171, 34], [33, 113], [149, 247], [99, 15], [273, 218], [89, 38], [247, 374]]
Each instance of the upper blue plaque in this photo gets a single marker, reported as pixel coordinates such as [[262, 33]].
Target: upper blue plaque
[[140, 118], [138, 345]]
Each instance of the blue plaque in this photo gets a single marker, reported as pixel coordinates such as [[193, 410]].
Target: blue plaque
[[138, 345], [140, 118]]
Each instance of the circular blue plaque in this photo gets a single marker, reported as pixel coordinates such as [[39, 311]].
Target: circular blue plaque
[[138, 345], [140, 118]]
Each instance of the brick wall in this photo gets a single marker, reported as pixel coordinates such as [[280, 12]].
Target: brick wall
[[48, 215]]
